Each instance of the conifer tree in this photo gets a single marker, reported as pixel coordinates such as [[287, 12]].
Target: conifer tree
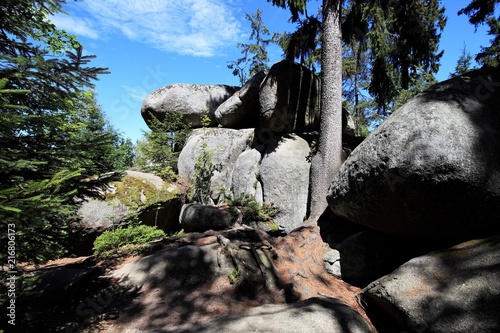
[[464, 63], [43, 162], [255, 55], [159, 150], [483, 12]]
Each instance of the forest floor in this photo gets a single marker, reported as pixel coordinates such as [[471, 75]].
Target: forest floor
[[105, 306]]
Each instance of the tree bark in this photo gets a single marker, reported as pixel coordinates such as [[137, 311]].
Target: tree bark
[[328, 160]]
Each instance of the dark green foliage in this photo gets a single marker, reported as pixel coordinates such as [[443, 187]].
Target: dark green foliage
[[252, 211], [158, 152], [403, 37], [254, 55], [391, 43], [296, 7], [464, 63], [45, 159], [133, 235], [303, 44], [204, 169], [483, 12]]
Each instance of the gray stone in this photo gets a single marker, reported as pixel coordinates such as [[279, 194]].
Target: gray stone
[[193, 101], [348, 125], [246, 175], [289, 99], [149, 177], [331, 260], [184, 267], [369, 255], [456, 290], [432, 169], [242, 109], [284, 172], [99, 215], [225, 146], [315, 315], [194, 217]]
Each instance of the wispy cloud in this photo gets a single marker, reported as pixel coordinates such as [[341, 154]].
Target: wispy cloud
[[75, 25], [187, 27]]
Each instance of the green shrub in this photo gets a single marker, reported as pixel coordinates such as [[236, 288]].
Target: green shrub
[[252, 210], [133, 235]]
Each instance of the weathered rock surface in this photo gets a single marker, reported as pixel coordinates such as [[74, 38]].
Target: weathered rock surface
[[289, 99], [316, 315], [194, 217], [242, 109], [246, 175], [224, 145], [432, 169], [276, 171], [449, 291], [284, 172], [184, 267], [369, 255], [193, 101]]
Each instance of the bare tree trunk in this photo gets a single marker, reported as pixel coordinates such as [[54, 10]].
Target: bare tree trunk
[[327, 160]]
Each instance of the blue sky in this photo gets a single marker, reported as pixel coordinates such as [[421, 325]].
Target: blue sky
[[148, 44]]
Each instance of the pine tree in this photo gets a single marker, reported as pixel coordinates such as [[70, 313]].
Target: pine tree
[[464, 63], [255, 55], [158, 152], [483, 12], [42, 169]]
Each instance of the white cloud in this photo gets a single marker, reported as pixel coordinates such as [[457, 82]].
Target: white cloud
[[186, 27], [74, 25]]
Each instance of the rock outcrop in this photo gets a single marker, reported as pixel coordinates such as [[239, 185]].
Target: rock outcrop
[[246, 176], [193, 101], [432, 169], [194, 217], [449, 291], [284, 172], [224, 146], [275, 171], [316, 315], [242, 109], [289, 99]]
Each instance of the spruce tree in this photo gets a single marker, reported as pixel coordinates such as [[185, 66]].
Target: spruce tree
[[255, 55], [483, 12], [464, 63], [43, 164]]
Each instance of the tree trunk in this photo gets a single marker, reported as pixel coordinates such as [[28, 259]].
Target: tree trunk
[[327, 160]]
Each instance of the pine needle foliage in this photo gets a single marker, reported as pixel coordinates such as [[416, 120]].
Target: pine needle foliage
[[46, 159]]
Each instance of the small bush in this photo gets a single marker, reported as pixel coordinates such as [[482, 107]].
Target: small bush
[[133, 235], [252, 210]]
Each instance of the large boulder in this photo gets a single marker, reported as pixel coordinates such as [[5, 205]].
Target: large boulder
[[274, 171], [289, 98], [369, 255], [449, 291], [224, 145], [316, 315], [195, 217], [432, 169], [184, 267], [246, 176], [242, 109], [284, 172], [193, 101]]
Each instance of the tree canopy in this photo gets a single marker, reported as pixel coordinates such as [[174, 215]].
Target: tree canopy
[[483, 12], [54, 139]]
